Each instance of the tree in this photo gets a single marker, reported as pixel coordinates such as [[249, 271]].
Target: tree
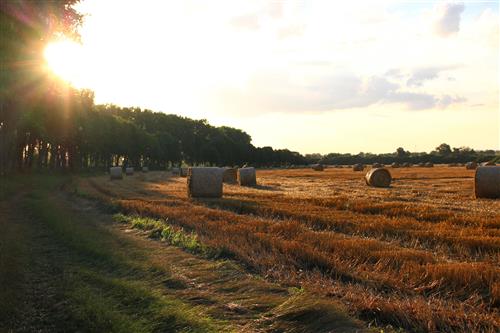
[[443, 149], [401, 153]]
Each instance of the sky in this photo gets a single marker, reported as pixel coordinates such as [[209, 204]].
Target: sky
[[311, 76]]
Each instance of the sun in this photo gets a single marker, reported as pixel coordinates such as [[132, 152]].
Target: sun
[[65, 59]]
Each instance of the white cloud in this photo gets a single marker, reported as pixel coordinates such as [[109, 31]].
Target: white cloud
[[447, 21], [284, 92], [420, 75]]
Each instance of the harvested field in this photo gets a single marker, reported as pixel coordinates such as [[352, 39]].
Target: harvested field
[[422, 255]]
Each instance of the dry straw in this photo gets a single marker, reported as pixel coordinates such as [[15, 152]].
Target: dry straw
[[247, 176], [471, 165], [230, 175], [487, 182], [129, 171], [317, 167], [204, 182], [358, 167], [115, 173], [379, 177]]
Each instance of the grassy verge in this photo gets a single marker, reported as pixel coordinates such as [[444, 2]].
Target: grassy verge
[[96, 281]]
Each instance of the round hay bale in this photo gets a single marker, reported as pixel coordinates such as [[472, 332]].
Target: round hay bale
[[358, 167], [377, 165], [184, 172], [145, 169], [395, 165], [421, 164], [471, 166], [204, 182], [489, 163], [407, 165], [379, 177], [429, 165], [487, 182], [129, 171], [230, 175], [317, 167], [115, 173], [247, 176]]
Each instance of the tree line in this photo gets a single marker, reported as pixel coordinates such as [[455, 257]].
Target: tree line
[[442, 154]]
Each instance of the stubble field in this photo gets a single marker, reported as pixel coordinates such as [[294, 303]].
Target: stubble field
[[422, 255]]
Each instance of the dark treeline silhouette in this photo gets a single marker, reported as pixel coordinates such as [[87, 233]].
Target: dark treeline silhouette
[[75, 134], [442, 154]]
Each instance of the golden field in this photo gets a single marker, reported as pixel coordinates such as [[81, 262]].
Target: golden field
[[422, 255]]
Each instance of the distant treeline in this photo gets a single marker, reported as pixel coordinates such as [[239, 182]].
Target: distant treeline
[[442, 154]]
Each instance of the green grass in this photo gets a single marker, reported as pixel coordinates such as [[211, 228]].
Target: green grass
[[103, 288], [160, 229]]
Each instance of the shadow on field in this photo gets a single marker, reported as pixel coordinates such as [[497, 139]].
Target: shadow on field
[[233, 205]]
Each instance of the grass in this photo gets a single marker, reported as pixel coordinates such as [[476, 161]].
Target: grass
[[422, 255], [161, 230], [102, 288]]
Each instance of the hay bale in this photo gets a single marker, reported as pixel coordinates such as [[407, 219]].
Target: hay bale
[[421, 164], [129, 171], [358, 167], [204, 182], [317, 167], [176, 171], [115, 173], [145, 169], [184, 172], [407, 165], [487, 182], [230, 175], [471, 165], [395, 165], [376, 165], [429, 165], [379, 177], [247, 176], [489, 163]]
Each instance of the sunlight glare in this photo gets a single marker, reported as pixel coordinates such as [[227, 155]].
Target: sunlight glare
[[65, 59]]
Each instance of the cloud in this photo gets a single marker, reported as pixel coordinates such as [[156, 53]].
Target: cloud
[[420, 75], [278, 92], [447, 21], [447, 100]]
